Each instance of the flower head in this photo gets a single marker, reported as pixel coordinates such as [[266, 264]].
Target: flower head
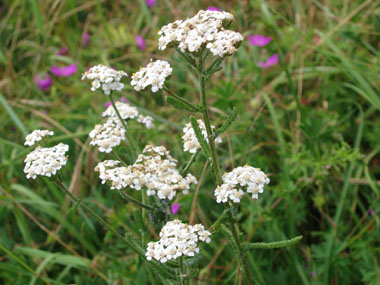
[[36, 136], [269, 61], [140, 42], [153, 74], [45, 161], [105, 77], [126, 111], [108, 135], [259, 40], [177, 239], [145, 120], [175, 208], [154, 169], [249, 178], [205, 30], [43, 82], [150, 3], [190, 141], [64, 71]]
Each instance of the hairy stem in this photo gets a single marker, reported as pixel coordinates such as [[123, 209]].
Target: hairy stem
[[215, 161]]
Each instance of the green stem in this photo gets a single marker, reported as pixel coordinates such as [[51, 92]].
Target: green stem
[[140, 252], [215, 161], [182, 271], [189, 163], [137, 202], [132, 142], [114, 153]]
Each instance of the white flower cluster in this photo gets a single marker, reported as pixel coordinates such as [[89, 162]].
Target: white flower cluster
[[226, 43], [177, 239], [153, 74], [154, 169], [205, 29], [190, 142], [145, 120], [112, 132], [108, 135], [36, 136], [105, 77], [247, 177], [45, 161], [126, 111]]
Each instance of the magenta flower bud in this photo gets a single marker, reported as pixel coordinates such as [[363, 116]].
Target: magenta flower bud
[[269, 61], [44, 82], [140, 42], [175, 208], [214, 8], [64, 71], [259, 40], [85, 39], [150, 3], [62, 51]]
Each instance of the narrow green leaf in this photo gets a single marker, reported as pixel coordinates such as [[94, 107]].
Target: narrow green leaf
[[181, 105], [269, 245], [231, 118], [200, 138], [13, 115]]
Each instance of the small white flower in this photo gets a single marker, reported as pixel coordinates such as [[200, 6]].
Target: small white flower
[[205, 30], [108, 135], [177, 239], [145, 120], [249, 178], [36, 136], [154, 75], [190, 141], [105, 77], [154, 170], [45, 161], [126, 111]]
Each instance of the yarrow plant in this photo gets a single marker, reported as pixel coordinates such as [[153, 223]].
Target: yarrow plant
[[204, 42]]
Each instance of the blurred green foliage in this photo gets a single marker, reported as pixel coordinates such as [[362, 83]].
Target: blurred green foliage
[[311, 122]]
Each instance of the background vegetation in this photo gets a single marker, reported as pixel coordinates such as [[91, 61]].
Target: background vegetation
[[311, 122]]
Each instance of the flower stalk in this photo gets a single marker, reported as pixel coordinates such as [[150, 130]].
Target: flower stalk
[[203, 76], [135, 150]]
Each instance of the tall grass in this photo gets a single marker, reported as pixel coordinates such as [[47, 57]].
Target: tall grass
[[312, 121]]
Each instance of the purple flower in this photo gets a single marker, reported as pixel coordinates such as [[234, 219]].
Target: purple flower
[[140, 42], [214, 8], [313, 274], [62, 51], [175, 208], [150, 3], [269, 61], [12, 128], [85, 39], [371, 212], [107, 104], [64, 71], [259, 40], [150, 216], [44, 82]]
